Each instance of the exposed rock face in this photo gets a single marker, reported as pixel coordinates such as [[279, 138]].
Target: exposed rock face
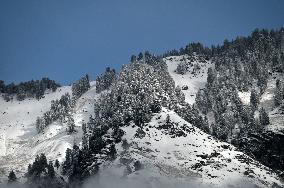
[[267, 148]]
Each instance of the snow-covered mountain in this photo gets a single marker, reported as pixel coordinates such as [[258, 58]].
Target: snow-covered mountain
[[191, 156], [189, 118]]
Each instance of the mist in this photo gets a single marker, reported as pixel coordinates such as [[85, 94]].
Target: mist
[[147, 179]]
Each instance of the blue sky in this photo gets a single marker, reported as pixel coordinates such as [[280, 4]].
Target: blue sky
[[64, 39]]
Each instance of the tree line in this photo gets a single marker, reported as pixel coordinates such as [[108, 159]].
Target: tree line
[[28, 89]]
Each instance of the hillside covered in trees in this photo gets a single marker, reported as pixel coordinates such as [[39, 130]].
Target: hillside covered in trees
[[141, 117], [28, 89]]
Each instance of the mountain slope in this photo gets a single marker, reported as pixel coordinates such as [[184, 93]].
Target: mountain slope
[[193, 79], [171, 149], [20, 142], [194, 155], [162, 119], [167, 148], [276, 115]]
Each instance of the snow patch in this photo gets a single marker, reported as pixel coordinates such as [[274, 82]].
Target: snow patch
[[19, 140], [194, 81], [245, 97]]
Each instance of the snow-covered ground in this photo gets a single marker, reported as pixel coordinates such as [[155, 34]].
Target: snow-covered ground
[[276, 116], [194, 81], [192, 157], [245, 97], [196, 156], [19, 140]]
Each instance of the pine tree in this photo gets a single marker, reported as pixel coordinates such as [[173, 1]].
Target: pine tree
[[68, 161], [125, 144], [71, 125], [182, 68], [85, 137], [279, 92], [137, 165], [42, 164], [30, 170], [56, 164], [12, 177], [50, 170], [205, 126], [140, 56], [28, 89], [254, 99], [251, 127], [112, 152], [211, 76], [156, 106], [2, 86], [96, 142], [201, 102], [38, 167], [105, 80], [263, 117], [59, 110], [80, 87], [38, 125], [133, 58]]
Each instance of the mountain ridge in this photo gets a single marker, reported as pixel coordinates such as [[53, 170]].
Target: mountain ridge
[[194, 92]]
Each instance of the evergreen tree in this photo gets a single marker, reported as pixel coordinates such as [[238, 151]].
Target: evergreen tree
[[58, 111], [201, 102], [42, 162], [85, 137], [133, 58], [211, 76], [42, 175], [205, 126], [38, 168], [29, 89], [56, 164], [156, 106], [2, 86], [137, 165], [80, 87], [12, 177], [112, 152], [263, 117], [254, 99], [105, 80], [125, 144], [279, 93], [71, 125], [68, 161], [182, 68], [140, 56], [50, 170], [38, 124]]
